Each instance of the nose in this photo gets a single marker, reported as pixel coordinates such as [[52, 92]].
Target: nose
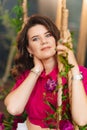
[[43, 40]]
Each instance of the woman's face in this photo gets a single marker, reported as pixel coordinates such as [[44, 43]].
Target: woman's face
[[41, 42]]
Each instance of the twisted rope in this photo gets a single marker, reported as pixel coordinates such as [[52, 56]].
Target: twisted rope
[[64, 34]]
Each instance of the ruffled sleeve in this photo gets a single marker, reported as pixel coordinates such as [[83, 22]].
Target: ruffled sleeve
[[20, 79], [84, 72]]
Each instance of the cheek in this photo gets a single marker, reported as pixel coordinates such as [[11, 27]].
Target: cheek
[[35, 51], [53, 41], [54, 44], [31, 48]]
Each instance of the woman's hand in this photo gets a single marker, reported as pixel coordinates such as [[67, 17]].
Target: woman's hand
[[38, 66], [62, 49]]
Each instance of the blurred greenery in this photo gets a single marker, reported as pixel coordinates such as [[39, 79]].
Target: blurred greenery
[[17, 21], [11, 22]]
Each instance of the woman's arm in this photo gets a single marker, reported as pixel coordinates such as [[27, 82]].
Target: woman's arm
[[78, 99], [78, 94], [17, 99]]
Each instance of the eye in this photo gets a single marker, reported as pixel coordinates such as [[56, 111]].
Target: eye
[[48, 35], [35, 39]]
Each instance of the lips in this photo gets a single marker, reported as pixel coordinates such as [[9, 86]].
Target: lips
[[45, 48]]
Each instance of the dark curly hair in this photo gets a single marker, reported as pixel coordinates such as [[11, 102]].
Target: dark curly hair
[[23, 61]]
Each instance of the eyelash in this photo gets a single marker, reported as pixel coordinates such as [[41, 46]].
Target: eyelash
[[35, 39], [47, 35]]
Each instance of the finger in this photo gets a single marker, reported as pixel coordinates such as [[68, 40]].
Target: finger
[[61, 53], [61, 48], [65, 40]]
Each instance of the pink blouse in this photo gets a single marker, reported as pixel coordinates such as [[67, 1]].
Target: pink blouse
[[36, 107]]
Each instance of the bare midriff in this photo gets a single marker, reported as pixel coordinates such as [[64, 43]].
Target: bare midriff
[[35, 127]]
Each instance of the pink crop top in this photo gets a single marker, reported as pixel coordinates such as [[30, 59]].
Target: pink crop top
[[36, 107]]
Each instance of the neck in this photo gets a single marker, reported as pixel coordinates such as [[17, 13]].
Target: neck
[[49, 64]]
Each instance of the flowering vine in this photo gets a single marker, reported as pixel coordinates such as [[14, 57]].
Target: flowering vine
[[66, 122]]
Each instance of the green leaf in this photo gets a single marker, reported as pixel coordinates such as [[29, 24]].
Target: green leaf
[[63, 59], [64, 97], [18, 11], [51, 105], [59, 109], [64, 74], [83, 127], [68, 45], [51, 116], [60, 86]]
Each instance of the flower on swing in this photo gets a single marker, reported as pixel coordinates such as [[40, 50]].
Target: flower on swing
[[1, 117], [50, 85], [66, 125], [1, 126], [1, 121]]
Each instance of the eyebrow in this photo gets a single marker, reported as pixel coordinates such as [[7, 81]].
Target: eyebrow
[[38, 35]]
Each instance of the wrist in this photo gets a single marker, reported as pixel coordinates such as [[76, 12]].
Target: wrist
[[75, 70], [76, 74], [36, 71]]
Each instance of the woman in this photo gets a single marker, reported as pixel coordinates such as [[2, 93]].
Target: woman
[[36, 68]]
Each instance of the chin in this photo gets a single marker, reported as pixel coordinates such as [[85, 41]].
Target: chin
[[48, 56]]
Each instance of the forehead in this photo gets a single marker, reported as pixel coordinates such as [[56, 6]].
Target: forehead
[[37, 30]]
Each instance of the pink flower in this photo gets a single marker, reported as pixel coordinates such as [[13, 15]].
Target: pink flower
[[16, 120], [1, 121], [1, 126], [66, 125], [1, 117], [51, 85]]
